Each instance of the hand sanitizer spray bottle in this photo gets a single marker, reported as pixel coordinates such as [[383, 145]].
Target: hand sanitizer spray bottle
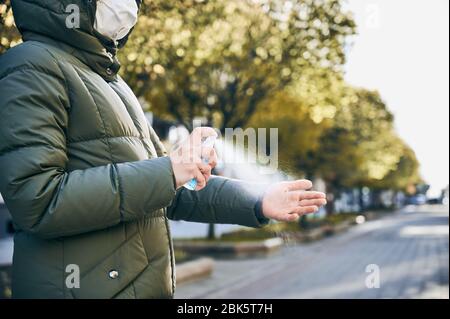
[[208, 142]]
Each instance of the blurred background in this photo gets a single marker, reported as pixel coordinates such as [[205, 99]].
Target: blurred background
[[358, 91]]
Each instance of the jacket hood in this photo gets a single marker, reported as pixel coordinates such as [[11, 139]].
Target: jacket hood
[[45, 21]]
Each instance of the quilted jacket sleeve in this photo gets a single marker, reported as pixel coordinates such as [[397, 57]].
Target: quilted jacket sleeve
[[222, 201], [43, 197]]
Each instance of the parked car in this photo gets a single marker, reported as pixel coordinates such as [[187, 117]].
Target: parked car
[[434, 201], [418, 199]]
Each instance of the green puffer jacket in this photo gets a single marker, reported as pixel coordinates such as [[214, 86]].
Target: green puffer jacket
[[83, 174]]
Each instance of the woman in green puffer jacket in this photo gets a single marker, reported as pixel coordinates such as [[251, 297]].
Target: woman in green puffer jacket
[[85, 177]]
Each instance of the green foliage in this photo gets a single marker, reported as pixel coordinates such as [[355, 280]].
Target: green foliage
[[344, 135], [9, 35], [303, 112], [222, 59], [405, 174], [362, 146]]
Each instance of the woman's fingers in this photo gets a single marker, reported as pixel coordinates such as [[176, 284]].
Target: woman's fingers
[[301, 195], [301, 184], [289, 218], [205, 169], [201, 180], [313, 202], [209, 156], [187, 158], [201, 132], [297, 212], [300, 210]]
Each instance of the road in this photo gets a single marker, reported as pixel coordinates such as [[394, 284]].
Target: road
[[410, 250]]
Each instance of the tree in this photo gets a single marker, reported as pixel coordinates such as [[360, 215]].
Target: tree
[[222, 59], [361, 147], [302, 113], [405, 174], [343, 134]]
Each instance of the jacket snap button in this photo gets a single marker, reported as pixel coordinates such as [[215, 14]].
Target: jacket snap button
[[113, 274]]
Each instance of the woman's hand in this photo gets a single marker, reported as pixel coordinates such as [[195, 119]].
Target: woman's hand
[[191, 160], [286, 201]]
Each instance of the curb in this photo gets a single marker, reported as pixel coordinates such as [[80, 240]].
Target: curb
[[316, 233], [239, 248], [194, 270]]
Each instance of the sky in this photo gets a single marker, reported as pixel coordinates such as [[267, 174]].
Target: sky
[[402, 50]]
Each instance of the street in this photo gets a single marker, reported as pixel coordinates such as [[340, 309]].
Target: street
[[409, 248]]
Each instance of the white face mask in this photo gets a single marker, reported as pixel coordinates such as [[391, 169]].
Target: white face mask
[[115, 18]]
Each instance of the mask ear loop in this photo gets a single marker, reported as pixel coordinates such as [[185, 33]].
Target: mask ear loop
[[121, 42]]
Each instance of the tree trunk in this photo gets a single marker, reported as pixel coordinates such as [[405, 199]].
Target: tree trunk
[[303, 222], [376, 198], [331, 196], [330, 208], [211, 231], [362, 207]]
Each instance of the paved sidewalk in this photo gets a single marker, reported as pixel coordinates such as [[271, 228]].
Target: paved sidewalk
[[411, 249], [6, 251]]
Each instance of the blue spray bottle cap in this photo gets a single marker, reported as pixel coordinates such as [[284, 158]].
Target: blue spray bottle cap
[[208, 142]]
